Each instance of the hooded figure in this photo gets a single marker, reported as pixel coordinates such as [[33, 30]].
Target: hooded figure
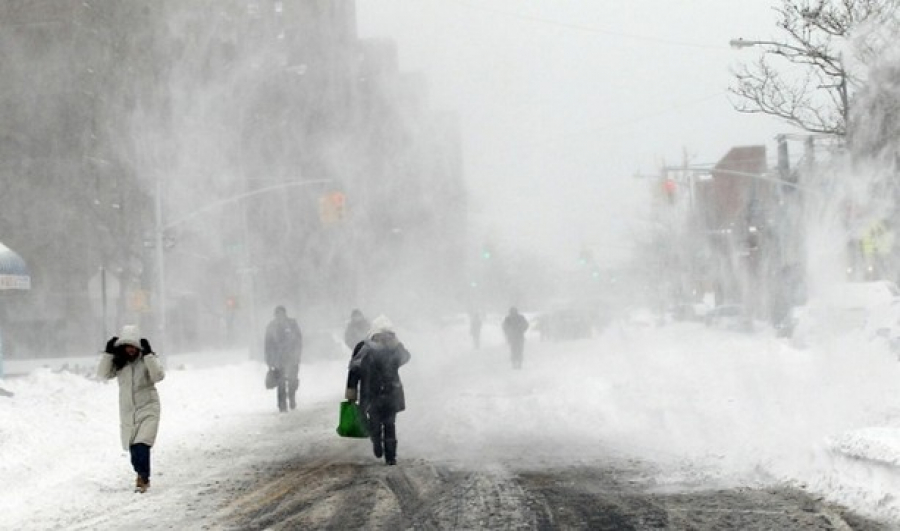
[[374, 378], [130, 359], [357, 329]]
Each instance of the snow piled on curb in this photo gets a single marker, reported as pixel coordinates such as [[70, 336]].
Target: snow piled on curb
[[877, 444]]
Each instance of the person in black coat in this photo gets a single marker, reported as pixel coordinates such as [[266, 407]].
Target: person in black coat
[[283, 346], [514, 327], [374, 379]]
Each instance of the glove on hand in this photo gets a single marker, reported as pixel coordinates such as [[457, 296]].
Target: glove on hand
[[145, 346], [120, 359], [111, 345], [350, 394]]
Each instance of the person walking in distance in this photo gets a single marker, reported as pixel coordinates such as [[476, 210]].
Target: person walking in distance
[[356, 329], [130, 359], [514, 327], [283, 346], [374, 379], [475, 328]]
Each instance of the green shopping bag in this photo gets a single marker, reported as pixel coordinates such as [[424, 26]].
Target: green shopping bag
[[352, 422]]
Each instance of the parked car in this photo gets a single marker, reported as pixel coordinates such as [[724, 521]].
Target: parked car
[[871, 309]]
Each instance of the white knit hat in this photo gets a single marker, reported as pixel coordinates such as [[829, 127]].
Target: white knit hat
[[131, 335], [380, 324]]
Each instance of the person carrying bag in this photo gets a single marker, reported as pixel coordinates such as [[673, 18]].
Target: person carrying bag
[[373, 378]]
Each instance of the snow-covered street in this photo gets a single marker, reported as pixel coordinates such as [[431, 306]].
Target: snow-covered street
[[701, 409]]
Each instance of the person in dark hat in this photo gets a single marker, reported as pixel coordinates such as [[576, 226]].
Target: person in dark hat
[[283, 346]]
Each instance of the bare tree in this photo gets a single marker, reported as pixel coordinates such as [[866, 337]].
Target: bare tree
[[804, 77]]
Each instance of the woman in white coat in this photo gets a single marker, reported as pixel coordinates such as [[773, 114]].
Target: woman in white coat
[[130, 359]]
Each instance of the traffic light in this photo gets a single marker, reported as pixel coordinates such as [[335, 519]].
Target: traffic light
[[669, 189], [338, 202], [332, 208], [231, 303], [487, 250], [585, 257]]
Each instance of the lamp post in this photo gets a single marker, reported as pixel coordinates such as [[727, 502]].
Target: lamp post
[[160, 268]]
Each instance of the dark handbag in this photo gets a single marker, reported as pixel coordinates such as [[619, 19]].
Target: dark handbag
[[272, 378], [352, 423]]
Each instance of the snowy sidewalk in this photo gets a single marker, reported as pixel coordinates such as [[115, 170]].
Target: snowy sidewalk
[[62, 466]]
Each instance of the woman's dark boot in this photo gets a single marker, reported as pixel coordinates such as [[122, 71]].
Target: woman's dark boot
[[377, 447], [390, 451]]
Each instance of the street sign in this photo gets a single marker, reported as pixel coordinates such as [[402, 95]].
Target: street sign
[[14, 282]]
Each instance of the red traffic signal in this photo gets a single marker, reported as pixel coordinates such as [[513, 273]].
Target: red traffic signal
[[669, 189], [332, 207]]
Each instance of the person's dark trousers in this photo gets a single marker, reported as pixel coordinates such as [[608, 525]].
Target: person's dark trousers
[[383, 432], [288, 383], [292, 374], [517, 348], [140, 460], [281, 392]]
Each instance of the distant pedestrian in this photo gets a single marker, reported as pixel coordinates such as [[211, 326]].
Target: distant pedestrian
[[475, 328], [283, 346], [374, 379], [130, 359], [514, 327], [356, 329]]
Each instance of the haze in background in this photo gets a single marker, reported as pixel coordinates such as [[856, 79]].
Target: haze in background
[[563, 102]]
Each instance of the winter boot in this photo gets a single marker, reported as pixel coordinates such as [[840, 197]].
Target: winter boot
[[377, 447], [141, 485], [390, 451]]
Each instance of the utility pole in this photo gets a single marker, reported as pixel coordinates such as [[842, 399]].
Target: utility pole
[[160, 270], [249, 285]]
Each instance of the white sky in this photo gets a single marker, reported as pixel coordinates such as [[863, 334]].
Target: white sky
[[563, 101]]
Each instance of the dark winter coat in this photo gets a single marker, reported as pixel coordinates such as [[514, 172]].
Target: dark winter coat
[[284, 343], [375, 369], [514, 327]]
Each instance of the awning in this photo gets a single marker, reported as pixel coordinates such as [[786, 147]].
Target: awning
[[13, 270]]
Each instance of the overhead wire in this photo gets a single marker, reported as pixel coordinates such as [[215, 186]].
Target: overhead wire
[[603, 31], [584, 28], [590, 29], [534, 152]]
